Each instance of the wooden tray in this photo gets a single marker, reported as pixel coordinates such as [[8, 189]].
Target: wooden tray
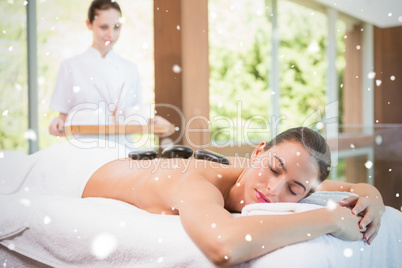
[[118, 129]]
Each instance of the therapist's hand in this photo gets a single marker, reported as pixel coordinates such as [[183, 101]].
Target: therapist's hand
[[159, 120], [56, 127], [371, 209]]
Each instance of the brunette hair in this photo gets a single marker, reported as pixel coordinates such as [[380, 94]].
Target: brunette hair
[[313, 142], [101, 5]]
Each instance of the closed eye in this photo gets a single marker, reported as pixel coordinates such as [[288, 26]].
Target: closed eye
[[273, 170], [290, 190]]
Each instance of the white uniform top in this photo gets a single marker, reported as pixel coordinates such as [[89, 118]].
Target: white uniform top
[[88, 80]]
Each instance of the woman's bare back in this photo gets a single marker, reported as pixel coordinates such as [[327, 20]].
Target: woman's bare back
[[151, 184]]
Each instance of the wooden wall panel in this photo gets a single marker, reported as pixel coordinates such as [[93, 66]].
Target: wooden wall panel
[[181, 40], [196, 72], [388, 110], [353, 79], [353, 99], [168, 53], [388, 64]]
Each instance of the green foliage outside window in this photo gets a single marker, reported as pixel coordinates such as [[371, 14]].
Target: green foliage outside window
[[13, 81], [242, 75]]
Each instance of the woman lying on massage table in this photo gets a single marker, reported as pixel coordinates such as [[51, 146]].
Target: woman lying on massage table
[[204, 194]]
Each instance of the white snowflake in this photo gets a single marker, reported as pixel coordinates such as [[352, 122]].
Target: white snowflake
[[371, 75], [30, 135], [378, 139], [11, 246], [248, 237], [47, 220], [103, 245], [176, 69], [25, 202], [319, 125], [368, 164], [348, 252]]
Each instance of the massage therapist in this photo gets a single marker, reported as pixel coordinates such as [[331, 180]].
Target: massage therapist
[[98, 80]]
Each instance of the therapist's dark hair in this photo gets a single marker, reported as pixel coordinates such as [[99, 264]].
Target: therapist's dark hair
[[312, 141], [101, 5]]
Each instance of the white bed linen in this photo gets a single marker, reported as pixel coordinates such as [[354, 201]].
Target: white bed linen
[[73, 232], [328, 251]]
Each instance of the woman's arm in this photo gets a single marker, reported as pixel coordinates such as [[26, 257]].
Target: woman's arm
[[227, 241], [369, 204]]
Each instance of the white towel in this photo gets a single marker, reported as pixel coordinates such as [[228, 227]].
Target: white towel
[[14, 167], [99, 232], [58, 170], [314, 201], [329, 251]]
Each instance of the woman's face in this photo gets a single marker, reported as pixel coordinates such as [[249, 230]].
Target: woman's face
[[106, 29], [284, 173]]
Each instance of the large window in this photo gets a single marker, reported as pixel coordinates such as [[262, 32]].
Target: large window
[[240, 60], [239, 50], [304, 63], [13, 77]]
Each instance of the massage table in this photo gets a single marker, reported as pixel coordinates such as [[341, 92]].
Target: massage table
[[42, 230]]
